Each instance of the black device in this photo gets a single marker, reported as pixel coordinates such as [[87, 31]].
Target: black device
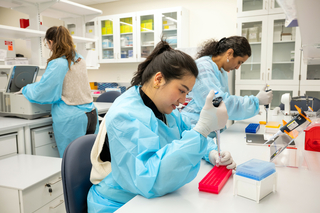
[[216, 101]]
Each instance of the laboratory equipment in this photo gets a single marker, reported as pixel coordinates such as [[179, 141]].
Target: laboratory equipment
[[216, 102], [312, 137], [286, 99], [267, 105], [294, 126], [215, 179], [12, 104], [255, 179], [252, 128]]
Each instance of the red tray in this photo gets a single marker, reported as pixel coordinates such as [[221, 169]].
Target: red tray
[[215, 179]]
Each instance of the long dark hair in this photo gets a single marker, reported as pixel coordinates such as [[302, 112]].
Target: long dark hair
[[62, 44], [173, 64], [239, 44]]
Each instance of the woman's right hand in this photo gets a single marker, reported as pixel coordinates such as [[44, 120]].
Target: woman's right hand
[[211, 118]]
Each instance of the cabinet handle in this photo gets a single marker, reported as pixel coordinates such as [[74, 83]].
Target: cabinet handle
[[61, 202], [268, 76], [50, 184], [263, 76], [55, 146]]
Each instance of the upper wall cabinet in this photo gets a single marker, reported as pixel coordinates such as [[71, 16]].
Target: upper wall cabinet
[[275, 57], [118, 38], [67, 11], [132, 37], [257, 7]]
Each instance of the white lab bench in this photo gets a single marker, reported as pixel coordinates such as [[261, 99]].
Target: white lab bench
[[35, 136], [25, 181], [297, 189]]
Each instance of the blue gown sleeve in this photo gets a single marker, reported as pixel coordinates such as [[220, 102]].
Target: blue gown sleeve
[[141, 166], [49, 89], [238, 107], [186, 125]]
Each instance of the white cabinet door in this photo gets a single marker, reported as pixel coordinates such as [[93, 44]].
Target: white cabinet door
[[253, 71], [278, 91], [258, 7], [312, 91], [148, 33], [118, 38], [8, 145], [310, 74], [175, 26], [283, 59], [107, 35]]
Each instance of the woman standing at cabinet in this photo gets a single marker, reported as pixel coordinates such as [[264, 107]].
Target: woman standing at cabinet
[[214, 60], [65, 85]]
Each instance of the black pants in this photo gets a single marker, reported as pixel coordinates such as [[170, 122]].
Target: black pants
[[92, 121]]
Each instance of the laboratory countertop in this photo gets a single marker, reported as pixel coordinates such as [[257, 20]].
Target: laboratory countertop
[[297, 188], [9, 123], [22, 171]]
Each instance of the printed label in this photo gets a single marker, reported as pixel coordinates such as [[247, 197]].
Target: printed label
[[8, 43]]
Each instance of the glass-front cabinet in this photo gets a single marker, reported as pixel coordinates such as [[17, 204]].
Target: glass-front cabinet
[[118, 38], [275, 57], [170, 28], [147, 34], [253, 71], [310, 74], [132, 37], [258, 7], [283, 60], [278, 91]]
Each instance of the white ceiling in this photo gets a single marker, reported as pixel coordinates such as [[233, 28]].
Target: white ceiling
[[90, 2]]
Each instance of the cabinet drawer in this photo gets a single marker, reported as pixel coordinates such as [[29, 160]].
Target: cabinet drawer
[[8, 145], [50, 150], [55, 206], [36, 196], [42, 136]]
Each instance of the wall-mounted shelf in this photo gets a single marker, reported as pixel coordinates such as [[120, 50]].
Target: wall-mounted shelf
[[19, 33]]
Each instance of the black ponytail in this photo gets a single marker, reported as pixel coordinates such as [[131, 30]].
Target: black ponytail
[[173, 64], [239, 44]]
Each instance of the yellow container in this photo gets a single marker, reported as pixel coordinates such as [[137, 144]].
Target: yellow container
[[126, 29], [143, 26], [122, 29], [149, 25], [94, 85], [164, 22], [103, 30], [166, 27], [107, 23], [109, 30]]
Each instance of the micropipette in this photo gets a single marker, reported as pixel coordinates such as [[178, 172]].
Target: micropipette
[[267, 106], [216, 102], [297, 121]]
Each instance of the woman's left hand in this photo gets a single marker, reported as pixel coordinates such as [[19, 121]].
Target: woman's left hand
[[225, 159]]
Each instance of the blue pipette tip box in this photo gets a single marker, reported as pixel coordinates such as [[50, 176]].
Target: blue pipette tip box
[[252, 128], [256, 169]]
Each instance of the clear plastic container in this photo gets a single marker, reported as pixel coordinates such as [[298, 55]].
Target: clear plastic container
[[256, 169]]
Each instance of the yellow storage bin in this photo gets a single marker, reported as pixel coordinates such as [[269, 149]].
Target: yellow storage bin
[[109, 30], [103, 30], [149, 25]]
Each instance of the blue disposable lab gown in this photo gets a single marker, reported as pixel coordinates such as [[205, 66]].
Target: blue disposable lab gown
[[148, 157], [69, 121], [210, 77]]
